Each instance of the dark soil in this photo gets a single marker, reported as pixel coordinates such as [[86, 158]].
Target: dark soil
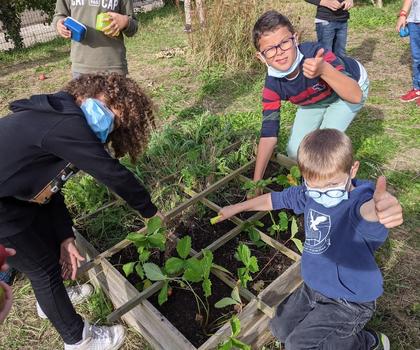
[[200, 229], [181, 310], [271, 262]]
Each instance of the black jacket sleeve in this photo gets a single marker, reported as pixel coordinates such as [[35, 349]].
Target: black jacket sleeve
[[314, 2], [74, 142]]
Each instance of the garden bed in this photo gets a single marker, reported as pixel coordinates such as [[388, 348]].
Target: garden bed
[[173, 323]]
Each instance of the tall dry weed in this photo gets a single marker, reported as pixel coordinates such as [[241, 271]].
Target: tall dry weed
[[227, 38]]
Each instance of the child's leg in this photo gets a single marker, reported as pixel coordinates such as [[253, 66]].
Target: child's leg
[[340, 114], [340, 40], [325, 33], [415, 52], [307, 119], [333, 324], [291, 312]]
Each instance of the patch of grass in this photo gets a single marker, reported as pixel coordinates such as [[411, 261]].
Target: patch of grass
[[368, 16]]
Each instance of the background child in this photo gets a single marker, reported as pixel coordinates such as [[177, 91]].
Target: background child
[[411, 8], [98, 52], [331, 24], [328, 90], [344, 225]]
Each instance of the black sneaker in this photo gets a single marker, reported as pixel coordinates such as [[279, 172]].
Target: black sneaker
[[382, 341]]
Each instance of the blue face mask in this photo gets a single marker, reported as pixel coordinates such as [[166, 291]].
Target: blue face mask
[[328, 198], [273, 72], [99, 117]]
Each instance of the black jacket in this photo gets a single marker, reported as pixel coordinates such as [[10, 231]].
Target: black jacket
[[326, 14], [41, 136]]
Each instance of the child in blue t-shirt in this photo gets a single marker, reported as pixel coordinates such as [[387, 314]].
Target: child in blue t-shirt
[[328, 90], [344, 226]]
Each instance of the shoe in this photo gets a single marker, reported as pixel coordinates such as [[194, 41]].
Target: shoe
[[410, 96], [99, 338], [382, 341], [77, 295]]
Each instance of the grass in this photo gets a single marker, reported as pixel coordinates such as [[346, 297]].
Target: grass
[[196, 101]]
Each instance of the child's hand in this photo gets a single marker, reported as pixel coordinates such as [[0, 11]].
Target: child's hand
[[314, 67], [62, 29], [7, 301], [388, 209], [347, 4], [333, 5], [118, 23], [401, 22], [227, 212]]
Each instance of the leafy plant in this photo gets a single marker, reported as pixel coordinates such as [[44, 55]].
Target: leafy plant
[[234, 299], [251, 229], [153, 238], [291, 179], [254, 187], [233, 342], [243, 254], [282, 225], [293, 231]]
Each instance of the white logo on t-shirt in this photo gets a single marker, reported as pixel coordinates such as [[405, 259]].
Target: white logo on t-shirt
[[318, 226]]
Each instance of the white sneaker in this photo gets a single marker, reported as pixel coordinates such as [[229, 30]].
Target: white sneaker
[[77, 295], [99, 338]]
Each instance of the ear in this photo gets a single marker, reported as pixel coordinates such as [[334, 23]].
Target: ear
[[354, 169], [297, 36], [260, 57]]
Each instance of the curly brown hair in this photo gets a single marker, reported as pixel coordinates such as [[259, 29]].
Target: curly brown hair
[[136, 110]]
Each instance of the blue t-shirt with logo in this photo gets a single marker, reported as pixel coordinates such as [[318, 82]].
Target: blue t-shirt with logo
[[338, 256]]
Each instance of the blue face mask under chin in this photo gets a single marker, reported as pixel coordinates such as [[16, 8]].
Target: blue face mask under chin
[[273, 72], [99, 117], [329, 202]]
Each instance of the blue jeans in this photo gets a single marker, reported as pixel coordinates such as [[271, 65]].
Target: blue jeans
[[333, 36], [415, 52], [309, 320]]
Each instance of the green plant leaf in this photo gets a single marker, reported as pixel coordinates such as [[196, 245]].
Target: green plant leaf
[[147, 284], [183, 246], [192, 275], [282, 180], [153, 272], [298, 244], [240, 345], [253, 234], [128, 268], [163, 294], [244, 253], [157, 240], [154, 224], [206, 263], [227, 345], [235, 324], [253, 264], [295, 172], [244, 276], [136, 237], [144, 255], [206, 287], [225, 302], [174, 265], [283, 221], [235, 295], [139, 270], [294, 228]]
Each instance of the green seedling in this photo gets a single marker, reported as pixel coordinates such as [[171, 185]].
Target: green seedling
[[234, 299], [215, 220], [281, 226], [254, 187], [291, 179], [153, 238], [293, 231], [251, 229], [233, 342], [243, 254]]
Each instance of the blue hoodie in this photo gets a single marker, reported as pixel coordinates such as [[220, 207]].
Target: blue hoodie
[[338, 256]]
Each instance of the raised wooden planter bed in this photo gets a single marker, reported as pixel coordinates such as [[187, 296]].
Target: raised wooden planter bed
[[138, 308]]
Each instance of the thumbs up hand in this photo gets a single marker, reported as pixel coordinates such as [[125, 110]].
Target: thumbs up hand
[[387, 208], [314, 67]]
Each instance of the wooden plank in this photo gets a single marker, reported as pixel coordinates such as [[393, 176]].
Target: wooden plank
[[145, 318], [285, 161]]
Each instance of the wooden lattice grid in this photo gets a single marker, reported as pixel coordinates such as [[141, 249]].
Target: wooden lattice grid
[[138, 312]]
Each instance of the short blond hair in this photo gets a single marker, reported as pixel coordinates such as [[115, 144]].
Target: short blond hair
[[323, 153]]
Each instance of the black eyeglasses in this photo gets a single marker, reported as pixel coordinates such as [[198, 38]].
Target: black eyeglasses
[[283, 45]]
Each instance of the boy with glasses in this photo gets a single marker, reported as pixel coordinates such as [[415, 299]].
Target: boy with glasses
[[328, 90], [346, 220]]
